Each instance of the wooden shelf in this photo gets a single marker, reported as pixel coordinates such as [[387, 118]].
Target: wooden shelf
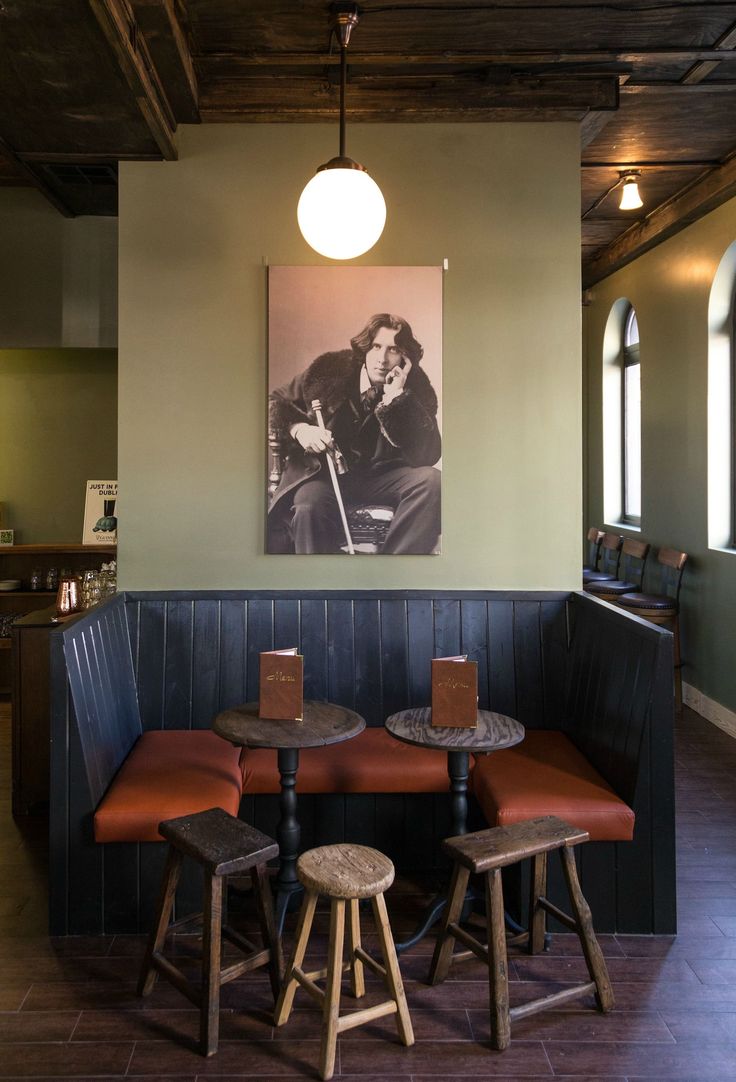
[[27, 593], [5, 644], [49, 550]]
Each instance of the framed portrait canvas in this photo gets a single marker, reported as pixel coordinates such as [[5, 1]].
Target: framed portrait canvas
[[354, 410]]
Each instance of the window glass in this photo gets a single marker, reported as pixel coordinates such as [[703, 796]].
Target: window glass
[[631, 422]]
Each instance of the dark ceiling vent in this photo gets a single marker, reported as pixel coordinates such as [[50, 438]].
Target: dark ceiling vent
[[69, 173]]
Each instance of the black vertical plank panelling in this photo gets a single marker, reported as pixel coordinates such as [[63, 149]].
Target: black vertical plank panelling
[[528, 657], [617, 689], [474, 642], [340, 656], [85, 858], [232, 652], [553, 626], [446, 627], [178, 665], [286, 624], [61, 722], [394, 657], [259, 638], [132, 611], [151, 654], [205, 663], [368, 690], [501, 661], [660, 792], [314, 638], [420, 626], [121, 887]]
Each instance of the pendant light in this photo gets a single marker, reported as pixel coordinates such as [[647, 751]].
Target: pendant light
[[630, 198], [341, 211]]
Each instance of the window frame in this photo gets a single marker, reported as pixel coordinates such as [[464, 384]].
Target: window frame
[[630, 357]]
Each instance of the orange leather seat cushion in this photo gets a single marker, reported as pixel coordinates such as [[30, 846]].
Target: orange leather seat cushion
[[168, 773], [547, 775], [371, 762]]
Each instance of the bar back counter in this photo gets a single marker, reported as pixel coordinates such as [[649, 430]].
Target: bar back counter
[[551, 660]]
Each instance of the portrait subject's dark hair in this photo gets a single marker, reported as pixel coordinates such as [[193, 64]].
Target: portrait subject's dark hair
[[405, 340]]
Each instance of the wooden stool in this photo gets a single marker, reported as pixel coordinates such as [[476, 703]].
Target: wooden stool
[[345, 873], [487, 852], [223, 846]]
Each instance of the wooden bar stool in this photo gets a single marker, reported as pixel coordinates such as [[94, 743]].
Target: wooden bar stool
[[345, 873], [487, 852], [224, 846]]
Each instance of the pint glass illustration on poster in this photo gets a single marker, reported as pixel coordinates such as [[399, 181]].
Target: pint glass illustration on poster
[[354, 411], [100, 513]]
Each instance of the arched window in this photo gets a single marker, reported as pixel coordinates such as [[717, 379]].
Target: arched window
[[622, 416], [631, 422], [722, 405]]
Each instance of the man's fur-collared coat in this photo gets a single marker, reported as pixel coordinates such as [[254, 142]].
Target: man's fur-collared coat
[[406, 432]]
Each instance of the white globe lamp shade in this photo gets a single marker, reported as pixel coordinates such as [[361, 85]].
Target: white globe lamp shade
[[341, 211]]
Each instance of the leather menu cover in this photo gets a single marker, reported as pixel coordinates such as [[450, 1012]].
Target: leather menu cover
[[281, 685], [454, 692]]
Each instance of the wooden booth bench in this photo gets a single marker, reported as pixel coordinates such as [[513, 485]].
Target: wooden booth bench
[[137, 682]]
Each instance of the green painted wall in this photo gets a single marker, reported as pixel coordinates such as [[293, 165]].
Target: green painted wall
[[58, 428], [670, 289], [500, 202]]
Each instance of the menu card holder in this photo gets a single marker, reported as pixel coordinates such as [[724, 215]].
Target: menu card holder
[[454, 692], [281, 685]]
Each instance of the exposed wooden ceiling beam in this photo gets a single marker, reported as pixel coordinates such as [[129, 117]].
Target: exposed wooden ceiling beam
[[692, 203], [168, 44], [678, 90], [431, 99], [119, 26], [700, 71], [654, 167], [36, 181], [513, 58]]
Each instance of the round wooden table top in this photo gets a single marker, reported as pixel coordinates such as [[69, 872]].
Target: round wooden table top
[[493, 731], [323, 723]]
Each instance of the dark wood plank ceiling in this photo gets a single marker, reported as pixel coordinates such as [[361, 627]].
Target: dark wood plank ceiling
[[87, 83]]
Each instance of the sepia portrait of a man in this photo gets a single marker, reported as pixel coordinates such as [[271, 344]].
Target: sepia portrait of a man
[[354, 410]]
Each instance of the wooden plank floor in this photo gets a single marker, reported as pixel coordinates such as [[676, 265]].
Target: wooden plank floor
[[68, 1008]]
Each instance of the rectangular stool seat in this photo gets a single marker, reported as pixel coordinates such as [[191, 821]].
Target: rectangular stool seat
[[222, 844], [499, 846]]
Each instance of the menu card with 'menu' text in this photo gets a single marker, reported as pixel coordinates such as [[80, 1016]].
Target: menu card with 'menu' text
[[281, 685], [454, 692]]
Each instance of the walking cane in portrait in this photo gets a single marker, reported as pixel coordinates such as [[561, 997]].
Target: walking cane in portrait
[[333, 454]]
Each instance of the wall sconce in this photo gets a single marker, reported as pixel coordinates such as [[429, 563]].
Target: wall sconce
[[341, 211], [630, 198]]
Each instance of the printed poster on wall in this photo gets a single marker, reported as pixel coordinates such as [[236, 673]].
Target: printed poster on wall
[[355, 393], [100, 513]]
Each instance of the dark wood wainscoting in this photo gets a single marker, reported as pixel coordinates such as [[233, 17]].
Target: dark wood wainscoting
[[195, 654]]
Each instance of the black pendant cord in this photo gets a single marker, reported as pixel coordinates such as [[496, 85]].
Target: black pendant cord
[[343, 78]]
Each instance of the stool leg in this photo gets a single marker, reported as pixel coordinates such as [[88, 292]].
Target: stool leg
[[267, 922], [678, 662], [157, 936], [498, 979], [591, 949], [209, 1016], [352, 923], [393, 973], [288, 988], [445, 944], [537, 916], [331, 1009]]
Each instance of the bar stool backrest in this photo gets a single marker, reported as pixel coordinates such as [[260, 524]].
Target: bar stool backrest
[[610, 553], [670, 567], [633, 561], [594, 537]]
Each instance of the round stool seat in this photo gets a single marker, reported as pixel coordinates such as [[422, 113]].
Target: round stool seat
[[658, 602], [345, 871], [615, 586]]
